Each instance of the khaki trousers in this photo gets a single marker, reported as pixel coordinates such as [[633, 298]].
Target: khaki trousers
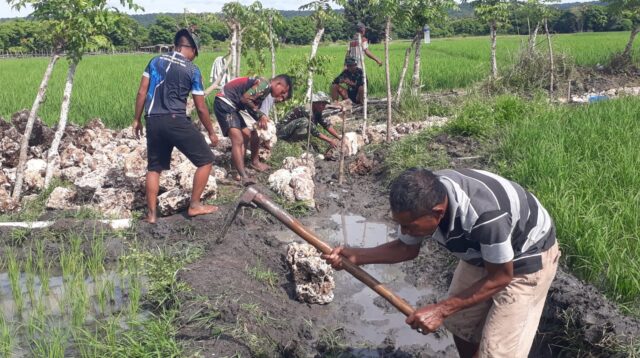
[[505, 325]]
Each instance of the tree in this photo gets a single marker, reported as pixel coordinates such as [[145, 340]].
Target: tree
[[421, 13], [631, 10], [77, 25], [321, 12], [163, 30], [494, 13], [362, 11]]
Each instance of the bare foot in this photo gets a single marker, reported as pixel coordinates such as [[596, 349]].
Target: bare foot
[[195, 210], [150, 219], [261, 167]]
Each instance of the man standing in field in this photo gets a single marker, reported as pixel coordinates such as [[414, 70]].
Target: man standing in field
[[506, 244], [353, 78], [247, 94], [295, 124], [354, 50], [163, 93]]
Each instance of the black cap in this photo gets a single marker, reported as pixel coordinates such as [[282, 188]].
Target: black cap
[[193, 39], [360, 26]]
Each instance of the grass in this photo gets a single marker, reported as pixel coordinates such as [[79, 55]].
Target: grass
[[263, 274], [105, 86], [579, 161]]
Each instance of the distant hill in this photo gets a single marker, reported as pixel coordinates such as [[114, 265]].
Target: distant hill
[[571, 5], [148, 19]]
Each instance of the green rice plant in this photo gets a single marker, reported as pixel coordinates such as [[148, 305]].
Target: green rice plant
[[50, 341], [581, 163], [6, 337], [43, 268], [30, 274], [18, 236], [14, 270]]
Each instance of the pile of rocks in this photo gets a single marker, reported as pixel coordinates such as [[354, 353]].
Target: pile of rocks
[[594, 96], [312, 276], [378, 133], [295, 180], [106, 167]]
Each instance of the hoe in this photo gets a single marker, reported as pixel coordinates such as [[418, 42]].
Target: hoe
[[255, 199]]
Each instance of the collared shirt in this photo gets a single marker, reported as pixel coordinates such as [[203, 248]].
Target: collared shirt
[[492, 219], [171, 78]]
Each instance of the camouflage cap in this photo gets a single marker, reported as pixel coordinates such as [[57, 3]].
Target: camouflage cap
[[320, 97]]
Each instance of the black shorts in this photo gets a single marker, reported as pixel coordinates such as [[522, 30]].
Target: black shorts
[[164, 132], [227, 116]]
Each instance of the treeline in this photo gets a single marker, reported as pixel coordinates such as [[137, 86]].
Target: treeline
[[25, 36]]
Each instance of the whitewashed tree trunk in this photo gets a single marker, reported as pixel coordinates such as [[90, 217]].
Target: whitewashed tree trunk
[[387, 35], [24, 146], [416, 83], [309, 96], [405, 67], [53, 155], [552, 67], [494, 64], [239, 49], [629, 46], [533, 36], [365, 97], [234, 53], [272, 47]]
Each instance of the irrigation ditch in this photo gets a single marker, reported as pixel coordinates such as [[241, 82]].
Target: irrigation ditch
[[80, 287]]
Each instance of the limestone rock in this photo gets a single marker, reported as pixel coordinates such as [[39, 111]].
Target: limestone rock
[[61, 199], [267, 136], [352, 142], [172, 201], [135, 163], [41, 135], [115, 202], [6, 203], [34, 172], [218, 172], [10, 147], [4, 181], [89, 183], [312, 276], [295, 180], [72, 156]]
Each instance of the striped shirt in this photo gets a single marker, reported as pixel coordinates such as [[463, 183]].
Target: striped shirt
[[492, 219]]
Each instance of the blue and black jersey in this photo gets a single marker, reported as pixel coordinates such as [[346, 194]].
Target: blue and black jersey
[[172, 77]]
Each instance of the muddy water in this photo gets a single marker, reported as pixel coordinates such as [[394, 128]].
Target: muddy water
[[370, 322]]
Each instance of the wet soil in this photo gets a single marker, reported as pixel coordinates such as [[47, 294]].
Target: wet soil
[[231, 311]]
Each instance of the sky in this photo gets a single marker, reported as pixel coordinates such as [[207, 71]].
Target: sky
[[153, 6]]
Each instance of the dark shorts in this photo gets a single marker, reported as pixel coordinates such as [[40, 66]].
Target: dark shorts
[[227, 116], [164, 132]]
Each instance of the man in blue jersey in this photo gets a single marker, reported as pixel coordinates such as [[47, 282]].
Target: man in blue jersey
[[164, 89], [506, 243]]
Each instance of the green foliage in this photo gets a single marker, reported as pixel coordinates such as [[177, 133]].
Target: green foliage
[[163, 30], [161, 268], [481, 118], [263, 274], [588, 182], [412, 151], [76, 24]]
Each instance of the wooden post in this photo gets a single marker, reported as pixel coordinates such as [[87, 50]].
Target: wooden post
[[366, 94], [341, 170], [551, 63], [314, 50], [387, 35]]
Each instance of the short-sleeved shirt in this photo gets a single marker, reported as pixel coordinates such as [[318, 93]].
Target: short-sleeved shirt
[[492, 219], [356, 51], [303, 112], [357, 77], [171, 78], [256, 88]]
